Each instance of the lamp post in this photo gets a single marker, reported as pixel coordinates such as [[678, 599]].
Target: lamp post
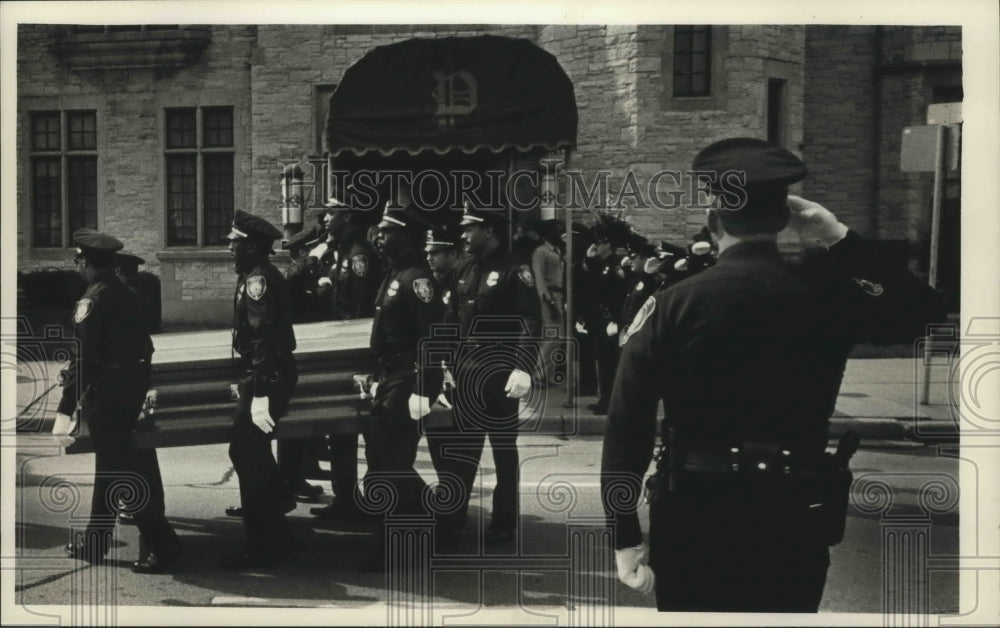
[[292, 199]]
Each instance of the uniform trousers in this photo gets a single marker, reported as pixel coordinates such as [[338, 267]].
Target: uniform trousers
[[606, 355], [482, 410], [263, 493], [123, 473], [726, 548]]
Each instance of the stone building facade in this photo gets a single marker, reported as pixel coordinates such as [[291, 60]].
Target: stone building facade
[[837, 95]]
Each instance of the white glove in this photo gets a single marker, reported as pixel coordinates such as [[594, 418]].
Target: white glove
[[814, 222], [633, 570], [580, 329], [319, 250], [449, 378], [373, 389], [260, 412], [63, 427], [612, 329], [324, 281], [420, 406], [518, 384]]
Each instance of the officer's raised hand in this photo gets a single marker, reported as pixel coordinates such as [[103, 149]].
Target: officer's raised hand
[[633, 570], [815, 223], [518, 384], [260, 413], [420, 406]]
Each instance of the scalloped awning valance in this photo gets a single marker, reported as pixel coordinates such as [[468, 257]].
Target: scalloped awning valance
[[452, 93]]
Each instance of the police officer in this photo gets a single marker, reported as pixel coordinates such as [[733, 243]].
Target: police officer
[[497, 310], [441, 247], [145, 284], [109, 378], [348, 289], [406, 309], [747, 357], [302, 273], [603, 318], [264, 338]]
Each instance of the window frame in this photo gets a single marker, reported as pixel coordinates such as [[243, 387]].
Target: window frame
[[718, 96], [62, 155], [199, 151]]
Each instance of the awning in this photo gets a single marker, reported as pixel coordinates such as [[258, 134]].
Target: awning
[[453, 93]]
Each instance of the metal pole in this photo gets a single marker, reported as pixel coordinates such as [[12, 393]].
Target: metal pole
[[925, 386], [571, 359]]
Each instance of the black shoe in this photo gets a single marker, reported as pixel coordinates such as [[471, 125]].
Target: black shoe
[[234, 511], [598, 408], [498, 535], [156, 561], [308, 493], [337, 509], [126, 519], [81, 551], [251, 560]]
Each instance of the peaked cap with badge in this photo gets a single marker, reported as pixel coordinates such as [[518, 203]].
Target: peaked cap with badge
[[92, 244], [251, 227]]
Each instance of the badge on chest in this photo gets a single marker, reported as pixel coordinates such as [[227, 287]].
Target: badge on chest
[[256, 287]]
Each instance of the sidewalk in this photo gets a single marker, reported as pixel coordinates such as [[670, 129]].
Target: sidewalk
[[879, 399]]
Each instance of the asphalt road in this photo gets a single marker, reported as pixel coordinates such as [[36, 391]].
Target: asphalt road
[[898, 492]]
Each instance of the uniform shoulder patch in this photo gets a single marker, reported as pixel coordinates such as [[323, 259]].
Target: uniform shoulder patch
[[423, 289], [83, 309], [525, 275], [359, 265], [256, 287], [870, 287], [640, 319]]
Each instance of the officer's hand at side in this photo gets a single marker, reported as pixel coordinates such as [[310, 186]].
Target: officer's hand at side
[[815, 223], [633, 570], [373, 389], [260, 413], [580, 329], [63, 427], [420, 407], [518, 384], [612, 329]]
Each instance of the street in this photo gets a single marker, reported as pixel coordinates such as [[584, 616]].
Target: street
[[559, 484]]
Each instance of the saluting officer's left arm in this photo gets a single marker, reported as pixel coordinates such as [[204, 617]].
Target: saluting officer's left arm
[[629, 439]]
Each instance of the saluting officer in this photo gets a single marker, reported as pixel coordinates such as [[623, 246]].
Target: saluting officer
[[406, 309], [498, 313], [109, 378], [607, 290], [264, 338], [748, 357]]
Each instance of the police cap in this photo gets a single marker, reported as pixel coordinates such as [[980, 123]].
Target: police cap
[[439, 239], [95, 245], [128, 257], [252, 227], [301, 239], [762, 163], [487, 217], [408, 218]]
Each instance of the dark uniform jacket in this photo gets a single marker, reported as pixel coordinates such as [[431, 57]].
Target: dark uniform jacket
[[108, 322], [406, 308], [751, 350], [495, 298], [355, 278], [263, 334], [606, 290]]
